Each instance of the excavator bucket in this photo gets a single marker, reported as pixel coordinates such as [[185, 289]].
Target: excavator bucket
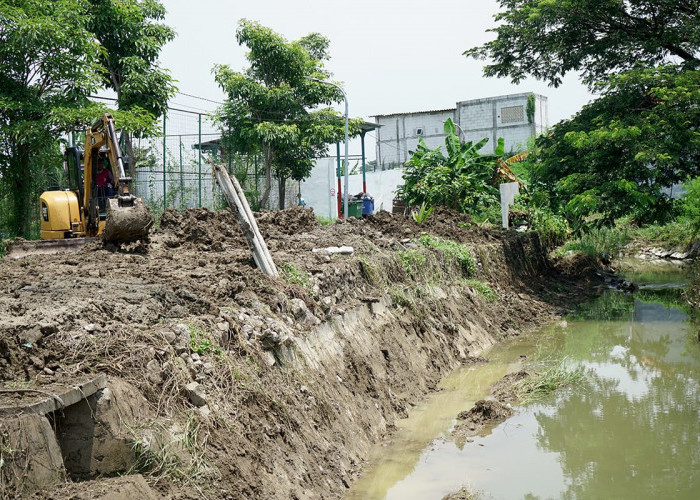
[[125, 224]]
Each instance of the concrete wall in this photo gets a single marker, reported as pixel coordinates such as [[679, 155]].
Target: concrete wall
[[399, 134], [316, 190], [493, 117]]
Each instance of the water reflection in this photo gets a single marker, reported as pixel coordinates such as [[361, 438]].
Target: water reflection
[[631, 431]]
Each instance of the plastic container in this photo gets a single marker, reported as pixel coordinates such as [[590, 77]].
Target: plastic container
[[367, 206]]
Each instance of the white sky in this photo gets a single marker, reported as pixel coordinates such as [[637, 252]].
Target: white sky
[[391, 56]]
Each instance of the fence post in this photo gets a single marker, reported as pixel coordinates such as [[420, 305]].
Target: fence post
[[200, 160], [182, 179], [165, 203]]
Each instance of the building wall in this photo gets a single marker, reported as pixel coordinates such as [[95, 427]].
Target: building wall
[[399, 134], [491, 118]]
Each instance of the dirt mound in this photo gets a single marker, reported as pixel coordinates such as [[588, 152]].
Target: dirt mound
[[199, 226], [482, 416], [442, 222], [293, 220], [504, 390]]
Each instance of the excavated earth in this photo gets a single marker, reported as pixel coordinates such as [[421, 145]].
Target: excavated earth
[[197, 376]]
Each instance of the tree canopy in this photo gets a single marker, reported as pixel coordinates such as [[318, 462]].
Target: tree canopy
[[548, 38], [273, 108], [617, 154], [53, 56]]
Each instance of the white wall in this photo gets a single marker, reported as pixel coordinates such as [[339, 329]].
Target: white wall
[[317, 188]]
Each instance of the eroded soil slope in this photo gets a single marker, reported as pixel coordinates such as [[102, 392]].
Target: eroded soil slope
[[271, 387]]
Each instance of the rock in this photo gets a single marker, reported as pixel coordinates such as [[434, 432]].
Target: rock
[[269, 358], [680, 255], [195, 394], [37, 361], [32, 336], [208, 367], [194, 356], [48, 371], [153, 372], [181, 330], [91, 328]]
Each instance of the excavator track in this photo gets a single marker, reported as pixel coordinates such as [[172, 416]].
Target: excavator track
[[16, 249]]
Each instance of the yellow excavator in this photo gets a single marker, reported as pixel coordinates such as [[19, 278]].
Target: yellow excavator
[[74, 216]]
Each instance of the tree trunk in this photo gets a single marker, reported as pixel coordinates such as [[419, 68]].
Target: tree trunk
[[267, 155], [21, 184], [283, 185]]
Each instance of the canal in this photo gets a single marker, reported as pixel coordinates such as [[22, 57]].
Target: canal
[[631, 429]]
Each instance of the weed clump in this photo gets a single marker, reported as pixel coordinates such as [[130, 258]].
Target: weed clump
[[534, 388], [295, 276], [457, 251], [483, 289]]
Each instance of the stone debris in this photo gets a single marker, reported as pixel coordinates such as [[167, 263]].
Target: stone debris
[[195, 394], [334, 250]]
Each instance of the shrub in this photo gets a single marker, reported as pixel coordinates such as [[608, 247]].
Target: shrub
[[552, 229]]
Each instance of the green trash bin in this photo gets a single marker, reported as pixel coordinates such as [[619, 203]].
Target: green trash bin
[[354, 208]]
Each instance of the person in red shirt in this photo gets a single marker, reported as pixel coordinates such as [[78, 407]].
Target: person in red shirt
[[105, 184]]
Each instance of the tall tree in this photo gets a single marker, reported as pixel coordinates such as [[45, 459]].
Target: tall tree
[[618, 153], [132, 34], [272, 108], [49, 63], [549, 38]]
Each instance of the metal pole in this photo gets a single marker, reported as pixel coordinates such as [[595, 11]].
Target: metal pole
[[200, 160], [182, 179], [165, 203], [339, 195], [347, 165], [364, 163]]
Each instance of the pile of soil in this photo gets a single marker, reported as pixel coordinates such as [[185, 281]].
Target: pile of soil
[[485, 412], [279, 386]]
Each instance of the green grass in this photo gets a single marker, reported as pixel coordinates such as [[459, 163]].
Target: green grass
[[295, 276], [542, 384], [675, 234], [324, 221], [457, 251], [597, 242], [412, 261], [483, 289], [202, 343]]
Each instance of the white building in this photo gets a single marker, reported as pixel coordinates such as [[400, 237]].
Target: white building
[[516, 118]]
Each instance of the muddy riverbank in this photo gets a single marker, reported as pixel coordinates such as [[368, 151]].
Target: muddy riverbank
[[224, 383]]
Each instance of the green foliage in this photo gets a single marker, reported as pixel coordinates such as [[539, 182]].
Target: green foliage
[[549, 38], [48, 63], [202, 343], [422, 214], [457, 251], [690, 208], [412, 261], [617, 154], [273, 107], [552, 229], [530, 108], [295, 276], [461, 180], [483, 289], [132, 35], [324, 221], [540, 385], [597, 242]]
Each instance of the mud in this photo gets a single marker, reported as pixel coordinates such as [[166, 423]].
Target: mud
[[296, 377]]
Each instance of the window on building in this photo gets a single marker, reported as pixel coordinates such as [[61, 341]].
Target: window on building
[[512, 114], [419, 131]]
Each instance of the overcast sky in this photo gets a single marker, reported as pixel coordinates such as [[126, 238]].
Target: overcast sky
[[391, 56]]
